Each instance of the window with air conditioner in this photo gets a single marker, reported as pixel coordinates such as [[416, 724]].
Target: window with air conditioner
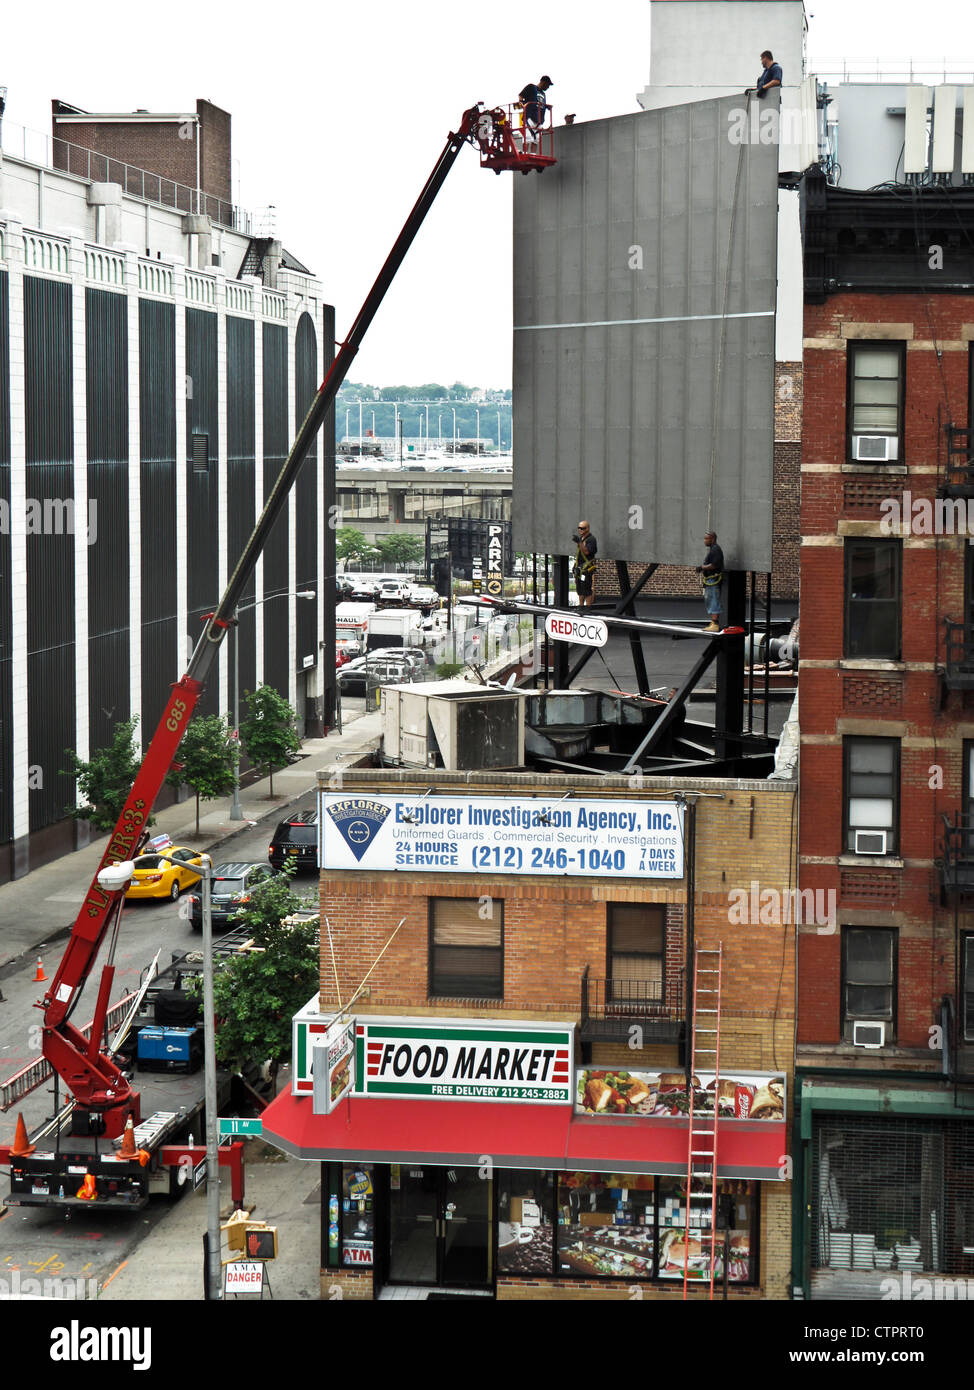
[[868, 980], [873, 598], [877, 373], [870, 1034], [871, 795]]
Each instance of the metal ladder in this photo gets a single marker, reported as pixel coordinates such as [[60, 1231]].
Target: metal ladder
[[702, 1133]]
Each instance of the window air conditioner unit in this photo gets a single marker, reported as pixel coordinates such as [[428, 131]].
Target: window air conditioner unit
[[868, 1034], [870, 842], [875, 448]]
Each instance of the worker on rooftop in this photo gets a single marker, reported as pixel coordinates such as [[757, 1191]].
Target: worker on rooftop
[[770, 76]]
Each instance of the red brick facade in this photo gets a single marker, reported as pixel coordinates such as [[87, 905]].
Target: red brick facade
[[163, 147], [903, 699]]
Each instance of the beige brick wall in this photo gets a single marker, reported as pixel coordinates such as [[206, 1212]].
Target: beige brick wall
[[346, 1285]]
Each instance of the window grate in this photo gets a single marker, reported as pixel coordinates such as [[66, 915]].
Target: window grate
[[201, 453]]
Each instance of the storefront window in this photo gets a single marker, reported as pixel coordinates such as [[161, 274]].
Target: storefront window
[[606, 1225], [735, 1223], [525, 1229], [358, 1219]]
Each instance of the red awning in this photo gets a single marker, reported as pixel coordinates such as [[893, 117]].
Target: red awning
[[467, 1133]]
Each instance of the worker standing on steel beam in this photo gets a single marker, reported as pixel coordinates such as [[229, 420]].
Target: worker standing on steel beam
[[712, 577], [584, 569]]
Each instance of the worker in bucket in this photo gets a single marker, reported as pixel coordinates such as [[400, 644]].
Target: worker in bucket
[[534, 104], [711, 574], [584, 569]]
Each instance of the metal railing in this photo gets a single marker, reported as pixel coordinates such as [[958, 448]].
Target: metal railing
[[957, 854], [610, 1007], [51, 152], [958, 478], [959, 673], [928, 70]]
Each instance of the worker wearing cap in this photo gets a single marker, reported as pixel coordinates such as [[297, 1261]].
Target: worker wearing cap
[[584, 569], [535, 105], [712, 577]]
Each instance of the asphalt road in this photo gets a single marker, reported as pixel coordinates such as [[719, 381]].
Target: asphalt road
[[39, 1242]]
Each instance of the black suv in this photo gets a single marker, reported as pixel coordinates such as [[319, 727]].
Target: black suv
[[229, 890], [295, 841]]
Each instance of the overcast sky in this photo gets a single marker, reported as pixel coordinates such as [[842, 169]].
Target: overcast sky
[[340, 110]]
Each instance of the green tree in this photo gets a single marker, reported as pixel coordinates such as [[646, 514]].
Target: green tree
[[107, 779], [257, 993], [269, 733], [206, 759], [351, 544], [401, 548]]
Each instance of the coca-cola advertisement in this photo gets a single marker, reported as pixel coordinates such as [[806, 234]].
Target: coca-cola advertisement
[[610, 1091]]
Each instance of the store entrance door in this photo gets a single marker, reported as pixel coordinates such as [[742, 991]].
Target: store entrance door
[[440, 1227]]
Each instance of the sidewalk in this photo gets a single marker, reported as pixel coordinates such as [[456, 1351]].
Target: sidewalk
[[41, 907]]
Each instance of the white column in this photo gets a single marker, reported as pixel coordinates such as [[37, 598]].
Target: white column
[[18, 753], [135, 495], [222, 572], [182, 558], [320, 495], [79, 400], [258, 479]]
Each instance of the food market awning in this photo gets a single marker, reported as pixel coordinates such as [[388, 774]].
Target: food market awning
[[470, 1133]]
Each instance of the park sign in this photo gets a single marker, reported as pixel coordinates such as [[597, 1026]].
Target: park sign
[[582, 837], [459, 1059]]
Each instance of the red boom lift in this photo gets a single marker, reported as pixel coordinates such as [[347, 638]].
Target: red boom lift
[[103, 1098]]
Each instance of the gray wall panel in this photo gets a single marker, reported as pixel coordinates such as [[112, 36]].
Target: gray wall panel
[[612, 414]]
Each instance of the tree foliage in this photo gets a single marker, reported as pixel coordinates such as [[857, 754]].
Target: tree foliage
[[106, 780], [401, 548], [352, 545], [269, 733], [256, 994], [206, 759]]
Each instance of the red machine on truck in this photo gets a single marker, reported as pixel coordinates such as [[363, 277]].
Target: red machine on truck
[[103, 1099]]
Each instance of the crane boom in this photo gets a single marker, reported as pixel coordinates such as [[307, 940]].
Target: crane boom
[[94, 1079]]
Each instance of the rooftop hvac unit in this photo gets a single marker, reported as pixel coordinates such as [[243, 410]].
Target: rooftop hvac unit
[[915, 147], [944, 129], [870, 842], [437, 725], [967, 141], [875, 448], [870, 1035]]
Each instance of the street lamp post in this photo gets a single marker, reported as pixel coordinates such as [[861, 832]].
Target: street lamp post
[[236, 810]]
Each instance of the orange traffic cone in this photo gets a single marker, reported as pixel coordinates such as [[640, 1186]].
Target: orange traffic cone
[[86, 1192], [21, 1148], [127, 1149], [40, 972]]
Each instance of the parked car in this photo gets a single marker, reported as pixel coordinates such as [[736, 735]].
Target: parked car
[[414, 657], [295, 840], [156, 877], [393, 591], [367, 672], [230, 888]]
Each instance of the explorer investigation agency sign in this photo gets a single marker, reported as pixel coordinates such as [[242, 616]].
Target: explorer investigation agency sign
[[585, 837]]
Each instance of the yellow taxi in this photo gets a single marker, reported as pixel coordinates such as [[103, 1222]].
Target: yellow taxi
[[156, 877]]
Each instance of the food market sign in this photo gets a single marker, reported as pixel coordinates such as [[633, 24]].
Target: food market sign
[[584, 837], [447, 1059]]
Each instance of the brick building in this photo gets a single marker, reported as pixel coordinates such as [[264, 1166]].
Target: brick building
[[886, 996], [544, 1200]]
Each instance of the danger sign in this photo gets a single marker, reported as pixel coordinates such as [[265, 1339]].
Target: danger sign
[[244, 1276], [588, 632]]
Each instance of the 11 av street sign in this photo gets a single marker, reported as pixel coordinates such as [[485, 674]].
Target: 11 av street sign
[[235, 1128]]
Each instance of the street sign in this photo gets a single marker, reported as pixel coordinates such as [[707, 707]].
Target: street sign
[[243, 1276], [199, 1174], [236, 1128], [588, 632]]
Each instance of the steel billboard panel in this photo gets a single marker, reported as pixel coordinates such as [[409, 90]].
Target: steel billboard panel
[[645, 270]]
